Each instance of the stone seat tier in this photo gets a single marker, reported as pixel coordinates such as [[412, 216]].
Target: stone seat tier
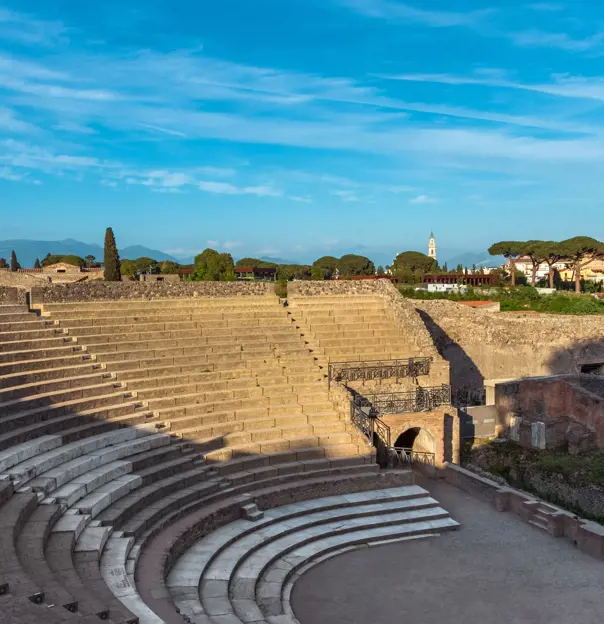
[[43, 374], [43, 399], [175, 530], [45, 363], [264, 334], [33, 323], [223, 571], [85, 405], [121, 564], [95, 324], [67, 349], [35, 344], [291, 343], [17, 391], [75, 426], [191, 302], [244, 316]]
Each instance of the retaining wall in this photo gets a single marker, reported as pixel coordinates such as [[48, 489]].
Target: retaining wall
[[586, 535], [482, 345], [116, 291], [11, 295]]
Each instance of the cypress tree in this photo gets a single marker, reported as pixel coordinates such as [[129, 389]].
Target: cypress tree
[[112, 259], [37, 264], [14, 264]]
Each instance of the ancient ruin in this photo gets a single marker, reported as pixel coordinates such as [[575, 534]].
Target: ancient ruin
[[183, 452]]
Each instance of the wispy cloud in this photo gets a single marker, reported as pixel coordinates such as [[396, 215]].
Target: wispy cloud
[[422, 199], [395, 10], [562, 85], [25, 29], [232, 244], [563, 41], [346, 196], [224, 188], [302, 200]]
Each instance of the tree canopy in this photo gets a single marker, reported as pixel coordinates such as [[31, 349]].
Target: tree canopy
[[324, 268], [14, 263], [350, 265], [212, 266], [111, 258]]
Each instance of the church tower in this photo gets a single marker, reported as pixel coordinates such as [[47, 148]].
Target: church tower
[[432, 246]]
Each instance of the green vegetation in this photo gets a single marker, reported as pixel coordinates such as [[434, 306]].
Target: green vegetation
[[112, 258], [578, 251], [37, 264], [213, 267], [521, 298], [68, 259], [3, 263], [14, 263]]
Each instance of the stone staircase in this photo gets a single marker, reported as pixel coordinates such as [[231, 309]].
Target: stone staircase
[[120, 420], [360, 327]]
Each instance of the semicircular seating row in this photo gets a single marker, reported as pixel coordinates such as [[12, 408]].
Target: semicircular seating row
[[121, 419], [244, 572]]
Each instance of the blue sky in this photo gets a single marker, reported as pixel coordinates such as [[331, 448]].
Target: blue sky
[[295, 128]]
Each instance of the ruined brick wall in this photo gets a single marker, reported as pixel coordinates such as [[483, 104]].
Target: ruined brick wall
[[115, 291], [572, 413], [483, 345], [10, 295]]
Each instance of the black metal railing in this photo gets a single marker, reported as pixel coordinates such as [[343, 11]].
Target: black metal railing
[[399, 457], [378, 369], [366, 418], [417, 400]]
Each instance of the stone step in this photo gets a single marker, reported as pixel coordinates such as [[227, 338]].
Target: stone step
[[222, 563], [162, 304], [44, 364]]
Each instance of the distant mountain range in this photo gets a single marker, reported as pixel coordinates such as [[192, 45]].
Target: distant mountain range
[[28, 250]]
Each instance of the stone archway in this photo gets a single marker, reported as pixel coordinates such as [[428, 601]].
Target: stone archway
[[417, 438]]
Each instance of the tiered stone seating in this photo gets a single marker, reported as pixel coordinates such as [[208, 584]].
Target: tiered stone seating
[[243, 569], [118, 420]]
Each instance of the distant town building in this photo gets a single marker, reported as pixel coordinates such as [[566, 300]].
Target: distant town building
[[432, 246], [256, 273]]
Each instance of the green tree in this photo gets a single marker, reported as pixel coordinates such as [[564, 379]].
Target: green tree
[[14, 263], [413, 265], [380, 270], [293, 271], [168, 266], [328, 266], [581, 250], [445, 268], [4, 264], [510, 250], [535, 251], [90, 260], [213, 266], [318, 273], [37, 264], [552, 252], [351, 264], [111, 258]]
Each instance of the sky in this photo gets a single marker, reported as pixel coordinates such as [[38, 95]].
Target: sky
[[297, 128]]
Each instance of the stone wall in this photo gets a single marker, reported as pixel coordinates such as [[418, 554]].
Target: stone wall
[[587, 536], [115, 291], [441, 426], [10, 295], [570, 407], [482, 345]]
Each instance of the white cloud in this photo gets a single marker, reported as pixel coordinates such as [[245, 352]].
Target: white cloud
[[422, 199], [346, 196], [302, 200], [231, 244], [213, 243], [538, 38], [28, 30], [224, 188], [391, 10], [10, 123]]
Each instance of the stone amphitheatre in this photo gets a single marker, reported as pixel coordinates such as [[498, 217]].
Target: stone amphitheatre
[[208, 453]]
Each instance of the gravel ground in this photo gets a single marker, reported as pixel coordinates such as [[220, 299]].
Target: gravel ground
[[495, 570]]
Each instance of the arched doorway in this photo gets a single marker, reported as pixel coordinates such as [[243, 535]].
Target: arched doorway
[[417, 439]]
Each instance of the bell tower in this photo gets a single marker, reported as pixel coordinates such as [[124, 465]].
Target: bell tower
[[432, 247]]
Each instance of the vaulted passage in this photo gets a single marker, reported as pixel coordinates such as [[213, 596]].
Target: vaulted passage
[[417, 439]]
